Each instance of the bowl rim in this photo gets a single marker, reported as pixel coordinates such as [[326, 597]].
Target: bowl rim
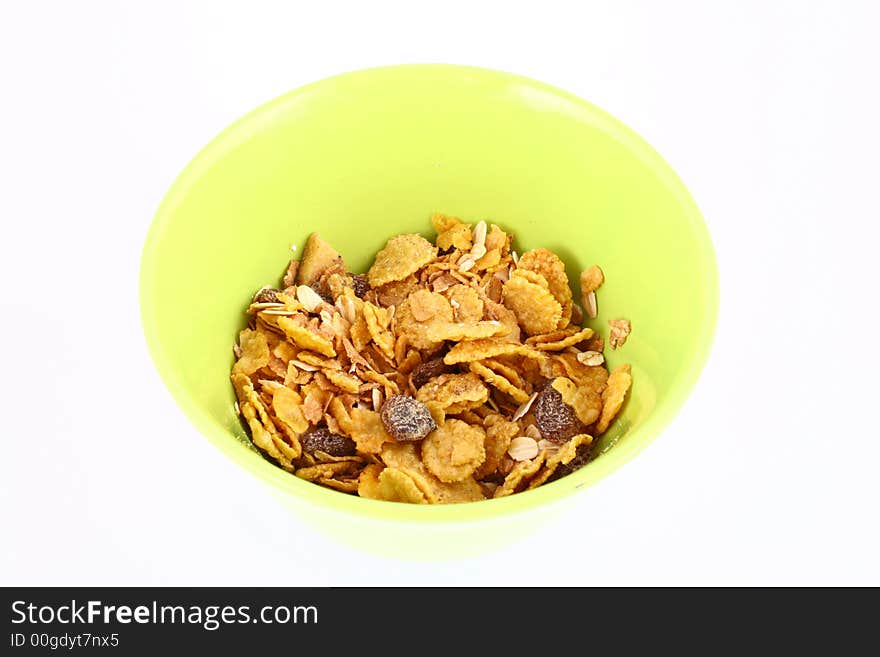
[[326, 499]]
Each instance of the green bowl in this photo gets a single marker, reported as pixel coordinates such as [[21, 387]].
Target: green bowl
[[370, 154]]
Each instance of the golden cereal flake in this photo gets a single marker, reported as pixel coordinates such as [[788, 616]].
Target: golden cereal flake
[[619, 382], [368, 481], [254, 352], [427, 306], [454, 392], [342, 485], [405, 457], [454, 450], [489, 260], [536, 309], [367, 431], [415, 331], [397, 486], [568, 341], [520, 473], [287, 406], [548, 264], [305, 338], [456, 331], [452, 232], [591, 279], [264, 434], [395, 292], [466, 352], [378, 322], [329, 470], [505, 315], [587, 376], [343, 381], [466, 303], [499, 433], [565, 455], [499, 382], [403, 255]]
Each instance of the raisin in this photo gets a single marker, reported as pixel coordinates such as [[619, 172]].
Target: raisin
[[266, 295], [584, 452], [427, 371], [322, 289], [322, 440], [360, 285], [406, 418], [556, 420]]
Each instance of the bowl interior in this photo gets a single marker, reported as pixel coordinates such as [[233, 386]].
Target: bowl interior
[[367, 155]]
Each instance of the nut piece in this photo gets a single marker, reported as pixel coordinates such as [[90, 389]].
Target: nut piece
[[620, 330], [323, 440], [524, 408], [310, 299], [591, 358], [406, 418], [522, 448], [318, 257]]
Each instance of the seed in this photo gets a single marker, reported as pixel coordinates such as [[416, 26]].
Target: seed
[[523, 448], [590, 305], [478, 251], [310, 299], [591, 358], [524, 408], [480, 234]]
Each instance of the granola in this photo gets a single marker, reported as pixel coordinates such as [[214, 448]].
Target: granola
[[451, 371]]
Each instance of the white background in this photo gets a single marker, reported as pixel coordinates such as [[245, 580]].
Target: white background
[[768, 111]]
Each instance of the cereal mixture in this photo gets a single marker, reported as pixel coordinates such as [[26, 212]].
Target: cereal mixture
[[450, 372]]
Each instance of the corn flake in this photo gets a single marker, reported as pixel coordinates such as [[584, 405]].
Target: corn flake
[[619, 382], [452, 233], [499, 382], [499, 433], [549, 265], [466, 352], [565, 455], [519, 475], [536, 309], [367, 431], [454, 450], [254, 352], [403, 255], [454, 392], [305, 338]]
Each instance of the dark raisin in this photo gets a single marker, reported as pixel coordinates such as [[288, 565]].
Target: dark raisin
[[427, 371], [266, 295], [406, 418], [556, 420], [322, 440], [584, 453], [323, 290], [360, 285]]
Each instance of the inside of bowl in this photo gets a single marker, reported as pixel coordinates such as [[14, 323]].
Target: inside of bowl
[[361, 157]]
